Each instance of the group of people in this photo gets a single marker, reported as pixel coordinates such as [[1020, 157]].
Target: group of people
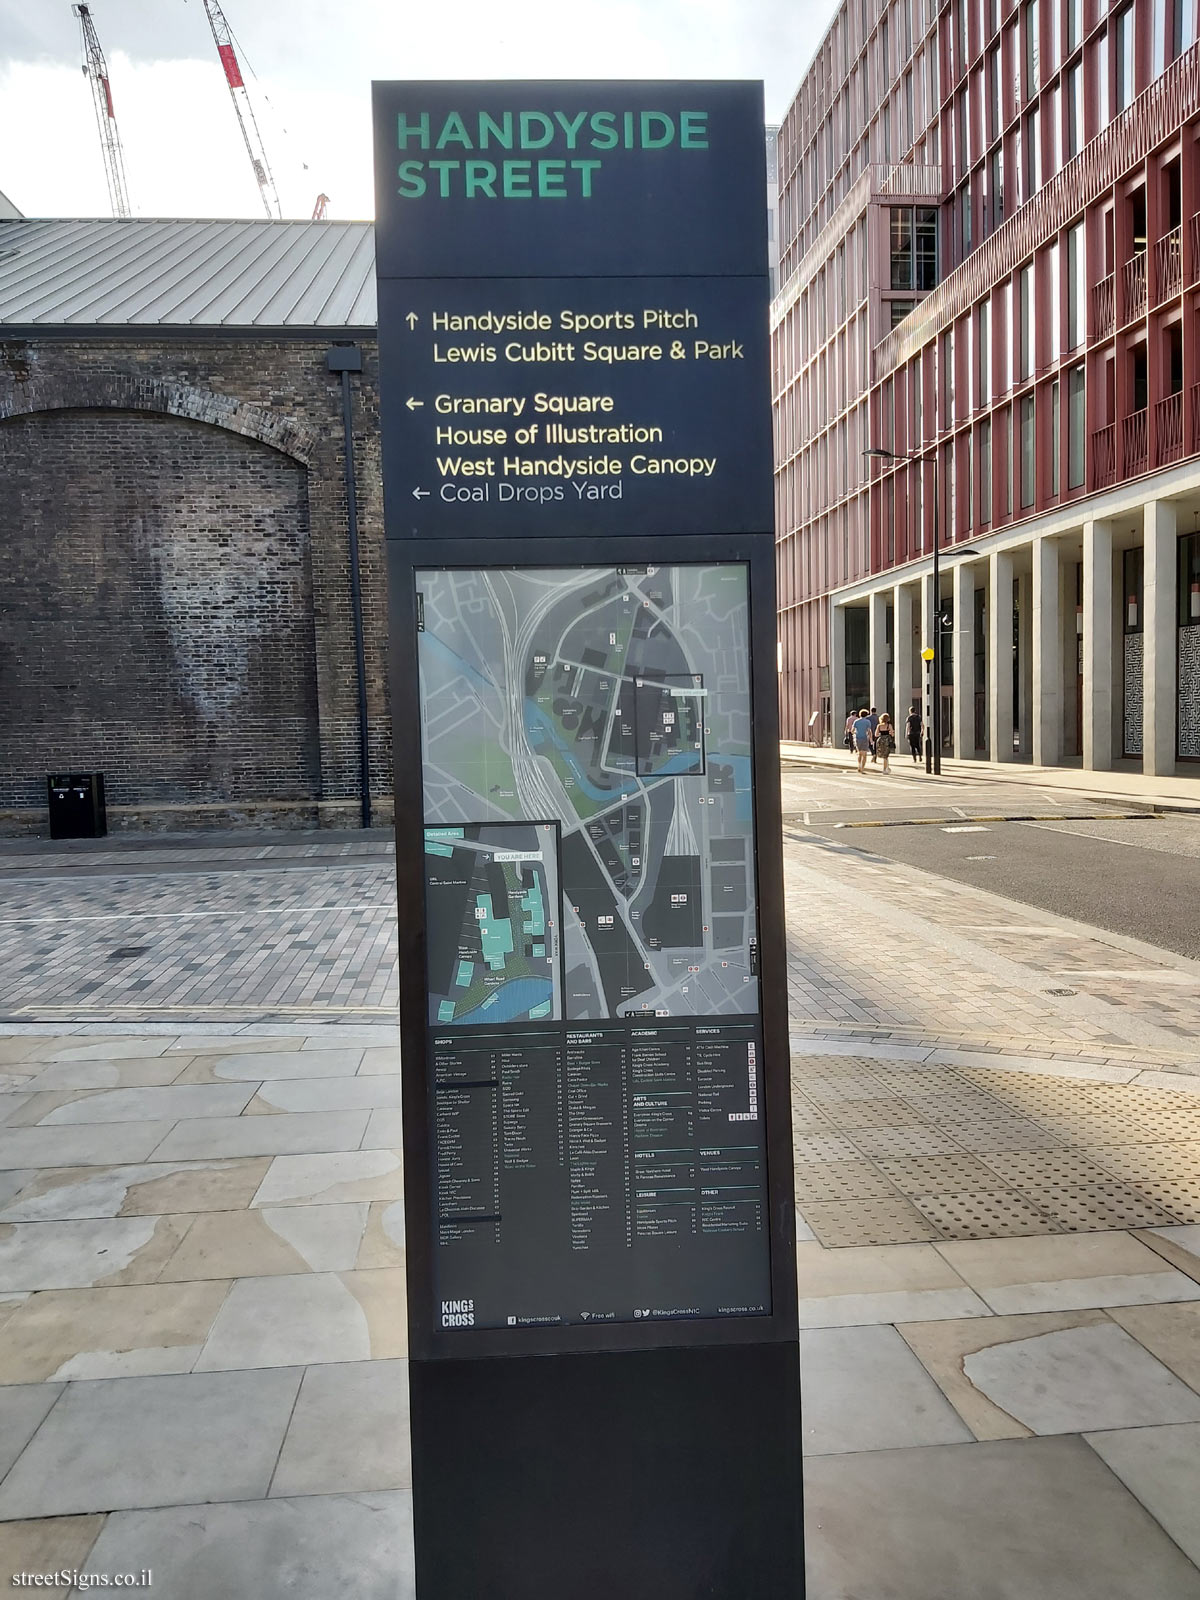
[[870, 733]]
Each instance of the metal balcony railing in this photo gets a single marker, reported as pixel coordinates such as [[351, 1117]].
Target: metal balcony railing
[[1168, 266], [1168, 428], [1104, 466], [1133, 438], [1102, 307], [1133, 288], [1195, 417], [1194, 263]]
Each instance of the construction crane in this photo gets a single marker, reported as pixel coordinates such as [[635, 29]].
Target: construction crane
[[321, 207], [95, 70], [223, 39]]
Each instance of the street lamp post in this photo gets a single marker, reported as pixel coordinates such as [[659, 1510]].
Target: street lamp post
[[936, 708]]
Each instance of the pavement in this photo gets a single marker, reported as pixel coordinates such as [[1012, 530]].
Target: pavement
[[202, 1332]]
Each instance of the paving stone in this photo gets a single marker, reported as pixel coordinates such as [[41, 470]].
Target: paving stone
[[349, 1431], [354, 1546], [126, 1442], [1012, 1520], [863, 1389]]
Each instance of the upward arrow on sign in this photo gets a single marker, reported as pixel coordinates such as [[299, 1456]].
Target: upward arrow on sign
[[412, 319]]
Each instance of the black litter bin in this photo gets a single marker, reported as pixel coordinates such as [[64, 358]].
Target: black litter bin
[[76, 801]]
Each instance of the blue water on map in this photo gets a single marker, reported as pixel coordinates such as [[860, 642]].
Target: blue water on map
[[511, 1001]]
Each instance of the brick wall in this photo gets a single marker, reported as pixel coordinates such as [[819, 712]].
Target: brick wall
[[174, 581]]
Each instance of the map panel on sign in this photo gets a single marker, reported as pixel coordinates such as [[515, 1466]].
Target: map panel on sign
[[605, 710], [492, 893]]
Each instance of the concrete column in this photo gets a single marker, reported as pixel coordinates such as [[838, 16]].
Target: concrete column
[[905, 676], [1025, 661], [1047, 656], [877, 638], [963, 590], [1097, 645], [1160, 643], [838, 709], [1000, 654]]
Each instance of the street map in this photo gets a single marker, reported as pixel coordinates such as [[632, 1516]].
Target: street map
[[589, 843]]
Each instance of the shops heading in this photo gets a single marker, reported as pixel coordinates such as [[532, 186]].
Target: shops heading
[[565, 170]]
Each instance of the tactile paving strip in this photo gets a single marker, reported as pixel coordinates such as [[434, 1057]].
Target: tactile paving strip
[[889, 1153], [942, 1175], [1181, 1199], [1085, 1207], [916, 1139], [996, 1214], [1021, 1167], [819, 1181], [869, 1222]]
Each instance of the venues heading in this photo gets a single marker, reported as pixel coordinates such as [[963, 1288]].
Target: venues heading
[[445, 168]]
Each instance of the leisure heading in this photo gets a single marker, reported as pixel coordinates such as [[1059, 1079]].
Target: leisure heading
[[548, 177]]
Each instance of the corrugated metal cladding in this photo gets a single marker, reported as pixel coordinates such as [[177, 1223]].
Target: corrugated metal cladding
[[137, 272]]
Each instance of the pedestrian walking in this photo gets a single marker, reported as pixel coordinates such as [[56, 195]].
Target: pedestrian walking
[[885, 740], [874, 716], [862, 737], [848, 733], [913, 731]]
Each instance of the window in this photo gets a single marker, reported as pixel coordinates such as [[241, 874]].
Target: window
[[1073, 111], [1054, 436], [1137, 377], [1131, 589], [901, 247], [1189, 580], [1076, 287], [965, 214], [918, 399], [1102, 111], [985, 352], [951, 491], [1033, 153], [1006, 342], [1075, 426], [1027, 452], [996, 185], [1029, 41], [1173, 31], [1123, 84], [1027, 342], [1008, 461], [985, 471], [1055, 298], [898, 310], [993, 95], [1074, 23]]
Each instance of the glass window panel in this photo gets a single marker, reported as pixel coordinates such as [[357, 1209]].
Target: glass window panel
[[1075, 287], [985, 352], [985, 471], [1054, 437], [1075, 427], [1027, 452], [1027, 323]]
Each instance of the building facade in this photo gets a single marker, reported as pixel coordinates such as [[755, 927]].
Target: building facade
[[990, 260], [176, 604]]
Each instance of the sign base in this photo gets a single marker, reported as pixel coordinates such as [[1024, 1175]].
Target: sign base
[[668, 1474]]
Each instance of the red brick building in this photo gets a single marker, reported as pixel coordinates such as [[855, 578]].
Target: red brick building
[[990, 240]]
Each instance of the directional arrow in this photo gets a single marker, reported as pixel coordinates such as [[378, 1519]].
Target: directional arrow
[[413, 404], [412, 319], [419, 494]]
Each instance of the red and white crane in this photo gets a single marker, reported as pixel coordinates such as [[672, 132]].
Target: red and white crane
[[96, 72], [255, 149]]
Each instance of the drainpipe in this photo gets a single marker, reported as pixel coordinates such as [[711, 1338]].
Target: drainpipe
[[345, 359]]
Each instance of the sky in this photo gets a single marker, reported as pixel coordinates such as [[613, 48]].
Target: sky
[[308, 65]]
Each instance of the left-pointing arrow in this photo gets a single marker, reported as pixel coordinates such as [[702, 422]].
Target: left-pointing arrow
[[419, 494], [413, 404]]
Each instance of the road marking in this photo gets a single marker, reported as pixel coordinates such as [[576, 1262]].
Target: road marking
[[972, 828], [979, 858], [959, 810]]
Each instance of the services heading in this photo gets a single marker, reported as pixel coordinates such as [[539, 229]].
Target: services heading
[[548, 177]]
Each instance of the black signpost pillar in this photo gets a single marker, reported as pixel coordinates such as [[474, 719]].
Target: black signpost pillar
[[598, 1186]]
